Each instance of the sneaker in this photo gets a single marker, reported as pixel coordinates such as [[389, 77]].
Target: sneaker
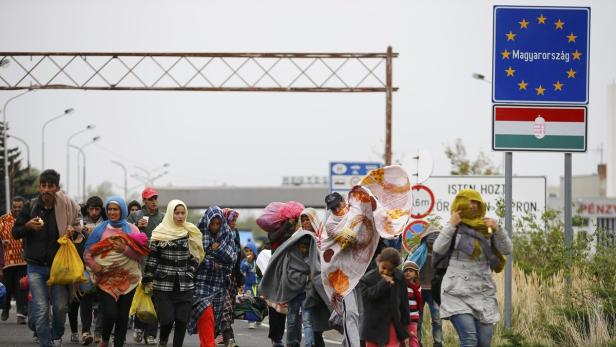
[[150, 340], [220, 340], [35, 338], [21, 319], [56, 343], [5, 315], [258, 324], [231, 343], [252, 325], [86, 339], [277, 344], [138, 335], [74, 338], [97, 339]]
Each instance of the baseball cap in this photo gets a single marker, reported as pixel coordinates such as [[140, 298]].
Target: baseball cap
[[333, 200], [149, 192]]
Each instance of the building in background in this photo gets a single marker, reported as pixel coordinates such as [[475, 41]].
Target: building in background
[[611, 138]]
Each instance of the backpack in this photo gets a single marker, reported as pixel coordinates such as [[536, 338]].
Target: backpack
[[440, 262]]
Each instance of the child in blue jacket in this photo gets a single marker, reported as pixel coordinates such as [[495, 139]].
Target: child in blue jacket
[[248, 268]]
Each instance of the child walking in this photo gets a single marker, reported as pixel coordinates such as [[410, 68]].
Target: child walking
[[411, 273], [385, 297], [249, 270]]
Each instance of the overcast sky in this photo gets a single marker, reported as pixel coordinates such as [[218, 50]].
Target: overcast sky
[[256, 138]]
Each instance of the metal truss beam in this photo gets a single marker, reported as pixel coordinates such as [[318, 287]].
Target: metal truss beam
[[209, 72]]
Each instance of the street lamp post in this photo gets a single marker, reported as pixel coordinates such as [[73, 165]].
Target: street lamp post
[[25, 144], [82, 154], [66, 112], [68, 158], [148, 174], [125, 177], [7, 188]]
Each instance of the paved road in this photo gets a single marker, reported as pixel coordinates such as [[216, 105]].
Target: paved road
[[13, 335]]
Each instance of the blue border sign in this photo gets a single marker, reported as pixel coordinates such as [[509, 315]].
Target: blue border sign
[[344, 175], [541, 55]]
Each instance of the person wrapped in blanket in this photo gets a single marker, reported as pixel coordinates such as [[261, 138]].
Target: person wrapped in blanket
[[212, 277], [113, 254], [290, 279], [236, 280]]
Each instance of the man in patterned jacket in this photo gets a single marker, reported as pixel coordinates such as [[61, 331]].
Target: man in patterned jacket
[[14, 264]]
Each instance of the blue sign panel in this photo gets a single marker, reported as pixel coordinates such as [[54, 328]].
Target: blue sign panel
[[541, 55], [344, 175]]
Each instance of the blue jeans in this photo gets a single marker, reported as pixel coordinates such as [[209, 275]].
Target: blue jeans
[[294, 322], [471, 332], [37, 282], [435, 314]]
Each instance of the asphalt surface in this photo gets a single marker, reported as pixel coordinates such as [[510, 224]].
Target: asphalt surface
[[14, 335]]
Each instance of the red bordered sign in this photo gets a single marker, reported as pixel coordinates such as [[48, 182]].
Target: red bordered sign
[[415, 228], [422, 207]]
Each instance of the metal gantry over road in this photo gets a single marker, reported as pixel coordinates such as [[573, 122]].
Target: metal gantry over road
[[207, 72]]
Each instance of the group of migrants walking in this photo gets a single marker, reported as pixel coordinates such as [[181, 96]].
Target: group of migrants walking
[[343, 272]]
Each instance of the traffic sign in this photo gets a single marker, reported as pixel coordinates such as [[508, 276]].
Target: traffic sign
[[344, 175], [414, 228], [540, 55], [539, 128], [423, 201], [529, 193]]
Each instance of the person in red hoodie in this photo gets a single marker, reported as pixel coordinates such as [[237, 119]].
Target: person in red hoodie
[[411, 273]]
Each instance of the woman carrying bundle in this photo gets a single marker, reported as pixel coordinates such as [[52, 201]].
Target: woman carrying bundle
[[113, 255]]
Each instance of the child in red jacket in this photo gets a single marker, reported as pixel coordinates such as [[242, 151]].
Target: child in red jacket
[[411, 273]]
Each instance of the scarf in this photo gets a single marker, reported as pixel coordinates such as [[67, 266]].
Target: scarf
[[462, 203], [97, 234], [230, 214], [167, 231], [317, 226], [67, 213]]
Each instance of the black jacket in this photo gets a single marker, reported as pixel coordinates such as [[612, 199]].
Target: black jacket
[[40, 247], [384, 304]]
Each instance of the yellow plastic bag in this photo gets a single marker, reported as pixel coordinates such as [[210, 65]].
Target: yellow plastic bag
[[143, 307], [67, 267]]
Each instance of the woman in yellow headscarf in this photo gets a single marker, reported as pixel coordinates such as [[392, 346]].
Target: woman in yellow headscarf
[[468, 291], [176, 250]]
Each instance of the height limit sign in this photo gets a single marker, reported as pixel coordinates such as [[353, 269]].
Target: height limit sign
[[423, 201]]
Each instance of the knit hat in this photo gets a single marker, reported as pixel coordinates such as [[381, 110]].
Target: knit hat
[[410, 265]]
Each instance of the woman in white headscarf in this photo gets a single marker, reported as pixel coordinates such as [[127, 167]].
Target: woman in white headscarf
[[176, 251]]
